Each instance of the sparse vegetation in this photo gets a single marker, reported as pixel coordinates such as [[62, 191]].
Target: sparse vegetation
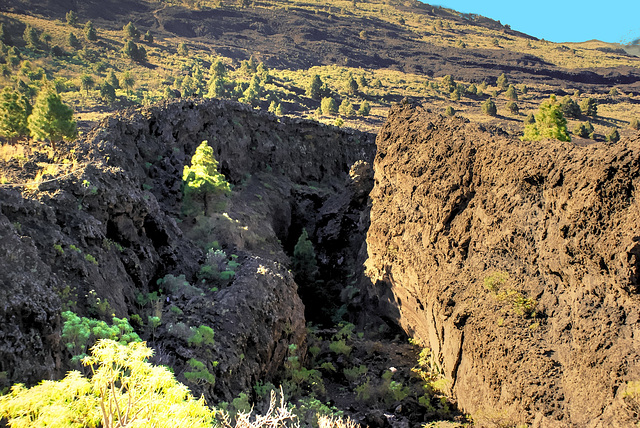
[[549, 123]]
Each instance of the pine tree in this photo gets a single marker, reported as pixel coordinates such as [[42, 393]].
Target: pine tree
[[87, 82], [511, 93], [448, 84], [202, 178], [148, 37], [113, 80], [304, 264], [30, 37], [502, 81], [550, 123], [569, 107], [107, 93], [127, 81], [216, 88], [14, 112], [51, 119], [72, 18], [346, 108], [365, 109], [217, 69], [130, 31], [489, 108], [183, 50], [351, 86], [73, 41], [613, 136], [313, 90], [589, 107], [90, 32], [329, 106], [634, 124], [513, 108]]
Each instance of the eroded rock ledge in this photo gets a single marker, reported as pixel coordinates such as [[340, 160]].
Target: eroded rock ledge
[[121, 205], [453, 204]]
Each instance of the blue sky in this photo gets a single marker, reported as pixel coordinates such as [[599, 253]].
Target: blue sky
[[614, 21]]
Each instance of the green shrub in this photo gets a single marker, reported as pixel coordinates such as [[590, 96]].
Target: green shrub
[[489, 108], [513, 108], [569, 107], [199, 373], [346, 108], [511, 93], [589, 107], [125, 390], [202, 336], [329, 106], [635, 124], [550, 123], [613, 136]]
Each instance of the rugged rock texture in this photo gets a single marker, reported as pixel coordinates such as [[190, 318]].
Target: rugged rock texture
[[455, 204], [120, 203]]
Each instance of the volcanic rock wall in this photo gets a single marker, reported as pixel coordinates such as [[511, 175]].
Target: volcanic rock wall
[[470, 229], [121, 204]]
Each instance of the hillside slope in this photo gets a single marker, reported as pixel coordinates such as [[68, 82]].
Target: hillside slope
[[515, 262]]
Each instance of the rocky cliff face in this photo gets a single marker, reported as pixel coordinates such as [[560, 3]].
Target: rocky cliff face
[[110, 226], [515, 262]]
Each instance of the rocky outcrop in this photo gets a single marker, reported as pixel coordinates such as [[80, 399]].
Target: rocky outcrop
[[109, 225], [470, 229]]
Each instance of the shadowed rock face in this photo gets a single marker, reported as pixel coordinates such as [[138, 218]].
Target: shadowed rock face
[[122, 204], [455, 204]]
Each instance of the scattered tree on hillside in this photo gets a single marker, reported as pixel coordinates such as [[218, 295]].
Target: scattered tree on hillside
[[584, 130], [589, 107], [90, 32], [87, 82], [30, 37], [450, 111], [72, 18], [51, 119], [313, 90], [217, 70], [183, 50], [489, 108], [216, 88], [346, 108], [502, 81], [107, 93], [202, 178], [351, 86], [513, 108], [134, 51], [569, 107], [46, 39], [113, 80], [448, 84], [511, 93], [127, 81], [14, 112], [148, 37], [73, 41], [634, 124], [613, 136], [550, 123], [614, 92], [130, 31], [329, 106], [365, 109]]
